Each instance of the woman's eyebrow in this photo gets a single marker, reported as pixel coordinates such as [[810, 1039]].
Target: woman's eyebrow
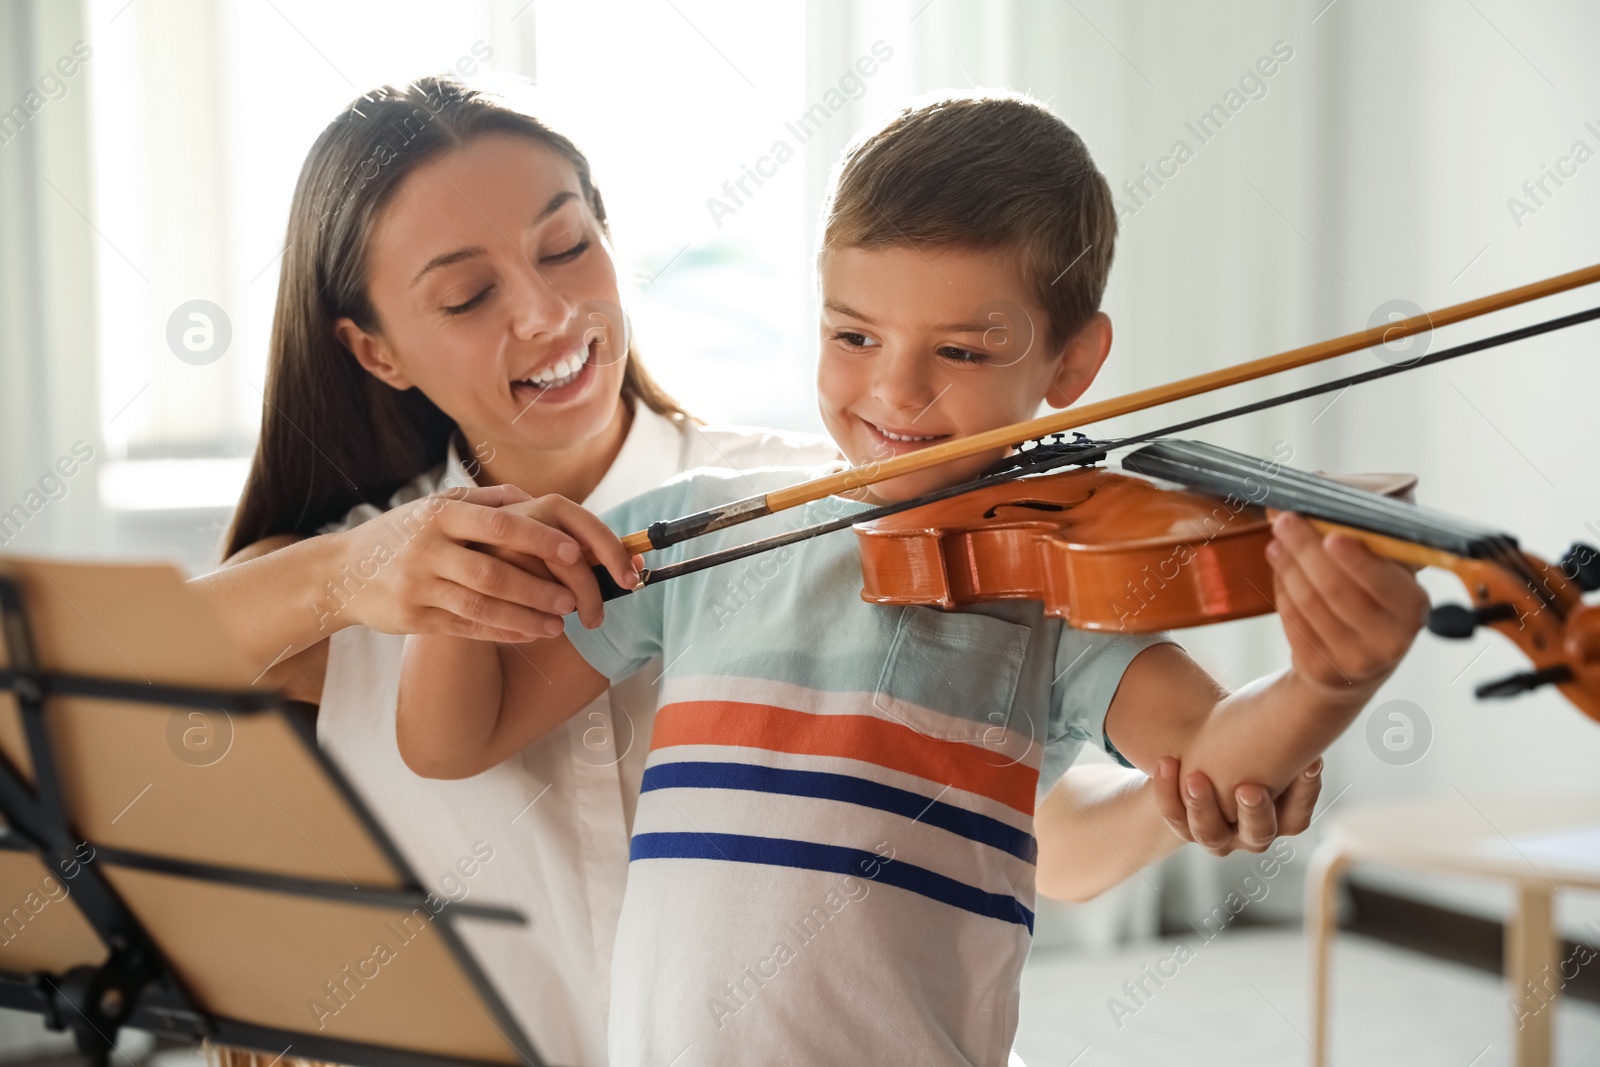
[[447, 258]]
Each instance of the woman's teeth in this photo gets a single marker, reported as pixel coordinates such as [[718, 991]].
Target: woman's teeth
[[562, 372]]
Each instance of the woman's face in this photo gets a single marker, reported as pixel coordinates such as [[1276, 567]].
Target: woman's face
[[496, 295]]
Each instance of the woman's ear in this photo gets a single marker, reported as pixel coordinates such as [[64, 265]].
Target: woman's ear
[[371, 352], [1081, 359]]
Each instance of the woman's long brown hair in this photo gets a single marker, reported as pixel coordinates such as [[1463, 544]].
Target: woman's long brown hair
[[332, 435]]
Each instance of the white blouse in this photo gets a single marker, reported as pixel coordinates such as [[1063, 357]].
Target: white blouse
[[555, 819]]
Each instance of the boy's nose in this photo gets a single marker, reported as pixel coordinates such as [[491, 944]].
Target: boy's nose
[[903, 383]]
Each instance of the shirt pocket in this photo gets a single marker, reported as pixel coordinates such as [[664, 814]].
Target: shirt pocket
[[953, 675]]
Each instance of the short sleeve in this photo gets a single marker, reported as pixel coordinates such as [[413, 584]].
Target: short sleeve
[[633, 629], [1088, 669]]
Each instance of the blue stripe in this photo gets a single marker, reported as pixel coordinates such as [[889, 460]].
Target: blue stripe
[[835, 859], [846, 789]]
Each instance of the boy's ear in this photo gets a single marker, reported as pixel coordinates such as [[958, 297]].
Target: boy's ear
[[1081, 359], [371, 352]]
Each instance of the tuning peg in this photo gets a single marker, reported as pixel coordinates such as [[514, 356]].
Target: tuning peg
[[1512, 684], [1582, 565], [1458, 620]]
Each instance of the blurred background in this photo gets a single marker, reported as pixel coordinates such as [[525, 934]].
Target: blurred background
[[1397, 157]]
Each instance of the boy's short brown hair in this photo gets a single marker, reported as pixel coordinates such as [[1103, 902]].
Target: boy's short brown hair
[[987, 171]]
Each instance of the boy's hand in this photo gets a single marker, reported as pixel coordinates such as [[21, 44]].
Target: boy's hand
[[563, 564], [1188, 804], [1350, 615]]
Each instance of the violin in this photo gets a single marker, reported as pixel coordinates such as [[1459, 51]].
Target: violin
[[1110, 551], [1123, 551]]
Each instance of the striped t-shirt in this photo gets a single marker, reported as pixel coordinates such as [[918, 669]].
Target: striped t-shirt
[[832, 859]]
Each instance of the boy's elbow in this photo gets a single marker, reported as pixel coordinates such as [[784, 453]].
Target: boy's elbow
[[1068, 890], [425, 760], [424, 766]]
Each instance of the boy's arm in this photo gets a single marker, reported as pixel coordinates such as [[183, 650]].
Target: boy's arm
[[1102, 824], [1349, 617], [466, 705]]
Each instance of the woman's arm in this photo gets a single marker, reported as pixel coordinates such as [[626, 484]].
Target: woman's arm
[[467, 705], [413, 569], [1102, 824]]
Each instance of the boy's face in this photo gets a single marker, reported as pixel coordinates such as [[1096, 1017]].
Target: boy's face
[[921, 345]]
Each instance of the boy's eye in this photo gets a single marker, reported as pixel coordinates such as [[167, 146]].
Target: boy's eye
[[962, 355], [461, 309], [569, 255], [853, 339]]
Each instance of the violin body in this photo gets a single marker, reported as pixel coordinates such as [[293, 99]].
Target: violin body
[[1101, 549], [1104, 550]]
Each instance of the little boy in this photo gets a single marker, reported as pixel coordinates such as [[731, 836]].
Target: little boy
[[833, 852]]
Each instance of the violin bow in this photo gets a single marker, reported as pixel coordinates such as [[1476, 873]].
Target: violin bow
[[1035, 461], [674, 531]]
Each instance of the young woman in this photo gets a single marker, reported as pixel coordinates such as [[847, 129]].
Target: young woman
[[448, 344]]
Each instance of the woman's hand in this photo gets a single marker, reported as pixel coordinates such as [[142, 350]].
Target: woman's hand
[[1193, 814], [489, 563]]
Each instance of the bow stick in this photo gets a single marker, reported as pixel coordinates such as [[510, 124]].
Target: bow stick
[[673, 531]]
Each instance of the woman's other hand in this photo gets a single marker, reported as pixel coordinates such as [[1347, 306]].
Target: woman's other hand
[[1188, 803]]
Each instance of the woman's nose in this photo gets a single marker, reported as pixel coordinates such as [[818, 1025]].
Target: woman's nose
[[537, 306]]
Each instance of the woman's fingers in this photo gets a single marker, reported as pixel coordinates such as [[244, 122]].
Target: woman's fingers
[[508, 527], [1168, 802], [1298, 802], [1207, 825], [517, 599], [1258, 819], [603, 545]]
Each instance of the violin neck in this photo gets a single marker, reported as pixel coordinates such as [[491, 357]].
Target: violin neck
[[1395, 523], [1390, 547]]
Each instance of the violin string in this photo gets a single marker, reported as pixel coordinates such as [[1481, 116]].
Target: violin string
[[1068, 457]]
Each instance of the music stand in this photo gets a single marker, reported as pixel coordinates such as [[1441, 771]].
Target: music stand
[[179, 856]]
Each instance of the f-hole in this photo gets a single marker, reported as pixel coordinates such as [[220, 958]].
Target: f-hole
[[1036, 505]]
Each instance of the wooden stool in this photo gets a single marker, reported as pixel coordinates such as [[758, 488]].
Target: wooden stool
[[1476, 838]]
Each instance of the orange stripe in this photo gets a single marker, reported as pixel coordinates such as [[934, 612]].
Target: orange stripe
[[858, 737]]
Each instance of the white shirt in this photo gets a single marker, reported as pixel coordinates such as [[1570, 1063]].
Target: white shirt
[[557, 816]]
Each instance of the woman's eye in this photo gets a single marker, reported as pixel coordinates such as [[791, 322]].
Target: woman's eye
[[570, 254], [963, 355], [853, 339], [461, 309]]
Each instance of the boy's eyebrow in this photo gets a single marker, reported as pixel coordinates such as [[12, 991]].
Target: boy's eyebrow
[[951, 327], [447, 258]]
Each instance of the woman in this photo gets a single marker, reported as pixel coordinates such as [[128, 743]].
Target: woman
[[448, 342]]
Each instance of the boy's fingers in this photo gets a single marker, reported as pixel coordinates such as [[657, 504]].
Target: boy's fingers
[[1347, 600], [1391, 585], [580, 582], [1301, 608], [1299, 801]]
